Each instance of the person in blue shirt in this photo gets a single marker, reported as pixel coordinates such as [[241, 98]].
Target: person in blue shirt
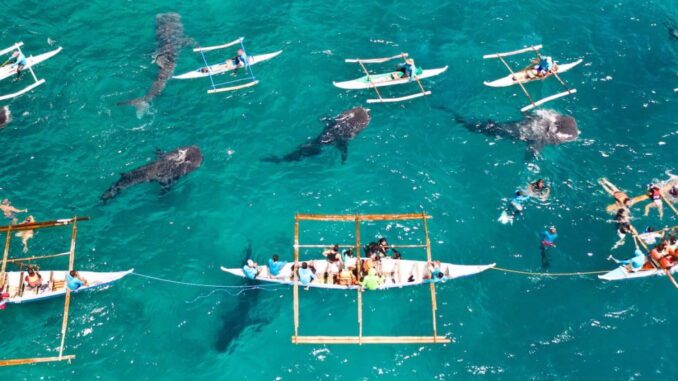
[[275, 265], [549, 237], [408, 69], [519, 200], [634, 263], [74, 281], [240, 60], [251, 270], [18, 61], [545, 66], [437, 275], [306, 275]]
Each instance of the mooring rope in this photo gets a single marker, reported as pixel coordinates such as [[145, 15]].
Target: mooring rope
[[530, 273]]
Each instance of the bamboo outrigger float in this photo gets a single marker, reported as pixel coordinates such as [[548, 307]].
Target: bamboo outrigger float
[[387, 79], [360, 338], [526, 75], [13, 283]]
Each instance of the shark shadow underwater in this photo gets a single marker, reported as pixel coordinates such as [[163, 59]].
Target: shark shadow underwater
[[338, 132]]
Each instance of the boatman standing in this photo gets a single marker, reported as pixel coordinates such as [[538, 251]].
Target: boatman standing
[[545, 66], [18, 61]]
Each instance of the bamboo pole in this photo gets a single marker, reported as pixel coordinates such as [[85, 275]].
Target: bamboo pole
[[429, 259], [6, 252], [361, 217], [295, 278], [423, 91], [359, 267], [44, 224], [669, 203], [519, 82], [372, 340], [11, 260], [35, 360], [67, 302], [322, 246], [374, 86], [654, 263]]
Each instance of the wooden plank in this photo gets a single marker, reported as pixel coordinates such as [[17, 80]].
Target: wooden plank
[[370, 340], [547, 99], [375, 60], [295, 303], [41, 225], [528, 49], [215, 47], [399, 99], [362, 217], [359, 268], [36, 360], [224, 89]]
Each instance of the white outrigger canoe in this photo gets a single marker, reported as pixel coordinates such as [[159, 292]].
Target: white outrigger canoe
[[225, 67], [524, 76], [402, 270], [621, 273], [385, 79], [54, 284], [9, 70]]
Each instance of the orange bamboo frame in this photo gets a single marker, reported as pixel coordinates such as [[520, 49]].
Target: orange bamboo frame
[[360, 338]]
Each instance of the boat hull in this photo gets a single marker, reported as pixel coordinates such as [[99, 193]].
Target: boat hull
[[621, 273], [381, 80], [401, 270], [509, 79], [206, 71], [8, 71], [95, 279]]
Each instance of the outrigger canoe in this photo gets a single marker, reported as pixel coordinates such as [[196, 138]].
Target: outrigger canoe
[[227, 66], [8, 71], [621, 273], [403, 269], [524, 77], [54, 284], [386, 79]]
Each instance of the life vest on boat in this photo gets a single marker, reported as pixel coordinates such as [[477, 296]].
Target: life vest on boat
[[655, 193], [3, 300], [666, 262]]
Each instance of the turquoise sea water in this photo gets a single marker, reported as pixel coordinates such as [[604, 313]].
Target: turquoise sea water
[[68, 141]]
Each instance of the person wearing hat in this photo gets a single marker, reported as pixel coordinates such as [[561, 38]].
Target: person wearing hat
[[408, 69], [18, 61], [251, 270]]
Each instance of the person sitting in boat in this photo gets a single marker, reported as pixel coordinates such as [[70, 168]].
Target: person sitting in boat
[[662, 255], [545, 66], [275, 266], [345, 277], [539, 189], [371, 281], [240, 59], [18, 61], [650, 236], [435, 274], [306, 275], [382, 247], [74, 281], [251, 269], [8, 210], [3, 300], [634, 263], [655, 194], [388, 268], [620, 198], [407, 69], [33, 279], [348, 259]]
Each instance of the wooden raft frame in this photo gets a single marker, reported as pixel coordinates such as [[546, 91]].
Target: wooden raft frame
[[360, 338], [71, 255]]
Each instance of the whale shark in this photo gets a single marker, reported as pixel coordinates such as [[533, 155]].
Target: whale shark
[[338, 131], [169, 33], [5, 116], [165, 170]]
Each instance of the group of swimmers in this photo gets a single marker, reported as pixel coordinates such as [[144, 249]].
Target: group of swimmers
[[664, 251], [376, 268]]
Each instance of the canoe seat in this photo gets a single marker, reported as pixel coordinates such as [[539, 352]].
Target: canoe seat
[[58, 284]]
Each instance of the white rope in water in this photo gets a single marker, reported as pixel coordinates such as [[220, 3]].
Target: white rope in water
[[259, 286]]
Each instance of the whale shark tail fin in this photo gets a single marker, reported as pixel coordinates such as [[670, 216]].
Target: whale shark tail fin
[[342, 145], [306, 150], [140, 104]]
